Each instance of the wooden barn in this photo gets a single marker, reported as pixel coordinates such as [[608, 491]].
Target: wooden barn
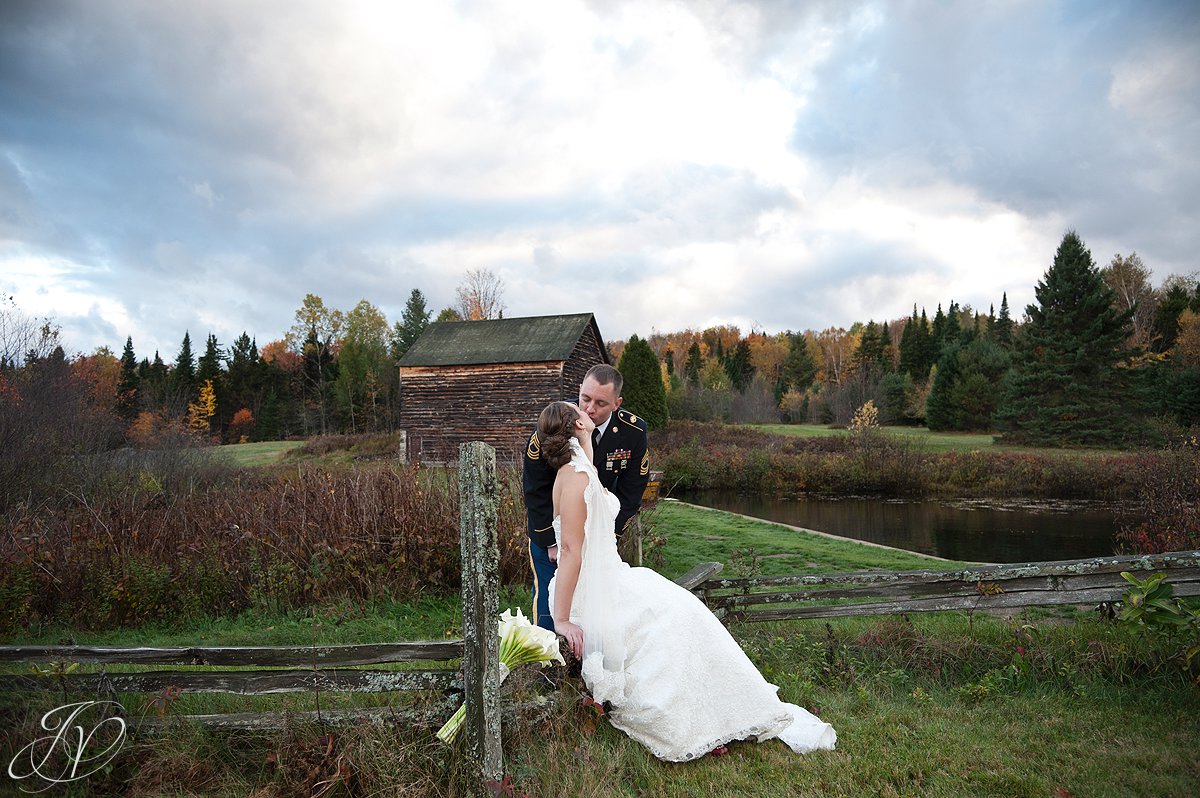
[[488, 380]]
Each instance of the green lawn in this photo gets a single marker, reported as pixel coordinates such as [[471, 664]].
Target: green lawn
[[250, 455], [935, 441], [939, 705]]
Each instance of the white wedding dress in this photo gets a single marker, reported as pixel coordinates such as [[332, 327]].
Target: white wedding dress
[[675, 679]]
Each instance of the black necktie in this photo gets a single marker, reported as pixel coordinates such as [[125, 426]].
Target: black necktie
[[595, 437]]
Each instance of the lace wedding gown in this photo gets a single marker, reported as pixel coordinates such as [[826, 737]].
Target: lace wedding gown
[[676, 680]]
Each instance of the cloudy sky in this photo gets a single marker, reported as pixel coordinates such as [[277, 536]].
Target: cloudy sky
[[201, 166]]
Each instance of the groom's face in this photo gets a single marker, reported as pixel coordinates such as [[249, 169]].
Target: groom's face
[[597, 400]]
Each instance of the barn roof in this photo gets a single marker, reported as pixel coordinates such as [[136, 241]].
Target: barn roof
[[532, 339]]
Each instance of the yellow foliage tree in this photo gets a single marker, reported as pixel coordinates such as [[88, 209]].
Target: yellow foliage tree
[[203, 409]]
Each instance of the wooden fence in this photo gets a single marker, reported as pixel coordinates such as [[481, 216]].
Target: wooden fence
[[984, 587], [317, 669]]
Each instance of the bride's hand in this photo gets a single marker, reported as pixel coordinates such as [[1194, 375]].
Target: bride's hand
[[573, 634]]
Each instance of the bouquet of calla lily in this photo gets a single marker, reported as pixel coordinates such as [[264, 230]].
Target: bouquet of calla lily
[[520, 642]]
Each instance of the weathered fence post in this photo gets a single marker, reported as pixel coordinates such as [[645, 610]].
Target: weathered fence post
[[480, 575]]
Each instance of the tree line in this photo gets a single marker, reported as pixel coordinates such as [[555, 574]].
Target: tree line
[[1101, 357]]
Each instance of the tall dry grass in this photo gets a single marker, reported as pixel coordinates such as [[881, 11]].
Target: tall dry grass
[[270, 540]]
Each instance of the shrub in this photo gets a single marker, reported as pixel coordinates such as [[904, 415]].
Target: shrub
[[1168, 501], [280, 540]]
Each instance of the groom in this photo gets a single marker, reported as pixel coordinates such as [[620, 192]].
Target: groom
[[619, 454]]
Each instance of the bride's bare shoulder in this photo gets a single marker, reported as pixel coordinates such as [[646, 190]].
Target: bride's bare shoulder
[[569, 476]]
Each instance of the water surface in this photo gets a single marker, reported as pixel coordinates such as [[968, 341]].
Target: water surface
[[979, 531]]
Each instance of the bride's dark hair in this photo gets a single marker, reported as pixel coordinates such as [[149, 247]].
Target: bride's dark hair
[[556, 430]]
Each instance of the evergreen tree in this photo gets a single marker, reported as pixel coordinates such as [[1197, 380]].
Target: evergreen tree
[[870, 347], [1166, 317], [1002, 330], [183, 375], [968, 386], [1066, 387], [916, 355], [210, 369], [799, 370], [669, 361], [209, 365], [127, 385], [691, 368], [413, 322], [643, 393], [739, 366], [244, 376]]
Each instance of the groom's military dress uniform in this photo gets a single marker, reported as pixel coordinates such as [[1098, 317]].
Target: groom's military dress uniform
[[622, 460]]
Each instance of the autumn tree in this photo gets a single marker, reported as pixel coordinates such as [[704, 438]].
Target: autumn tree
[[363, 368], [643, 393], [312, 336], [241, 427], [1129, 280], [1066, 386], [480, 295], [200, 412]]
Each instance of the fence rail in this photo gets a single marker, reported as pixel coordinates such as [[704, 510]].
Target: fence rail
[[982, 587]]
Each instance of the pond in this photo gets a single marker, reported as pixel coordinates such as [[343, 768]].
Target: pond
[[974, 530]]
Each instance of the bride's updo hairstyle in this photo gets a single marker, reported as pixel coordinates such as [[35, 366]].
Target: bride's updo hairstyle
[[556, 430]]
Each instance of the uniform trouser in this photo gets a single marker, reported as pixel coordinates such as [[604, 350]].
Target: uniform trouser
[[543, 569]]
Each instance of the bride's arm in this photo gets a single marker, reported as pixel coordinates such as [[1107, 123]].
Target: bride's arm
[[572, 514]]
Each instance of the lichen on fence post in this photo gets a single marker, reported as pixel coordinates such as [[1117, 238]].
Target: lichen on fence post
[[480, 575]]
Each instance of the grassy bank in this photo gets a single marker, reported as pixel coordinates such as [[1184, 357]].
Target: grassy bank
[[772, 460], [1046, 704], [929, 440]]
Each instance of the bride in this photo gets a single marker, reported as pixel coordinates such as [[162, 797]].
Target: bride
[[675, 679]]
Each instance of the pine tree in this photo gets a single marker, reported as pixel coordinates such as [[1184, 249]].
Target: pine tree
[[739, 366], [691, 368], [1166, 317], [869, 346], [799, 370], [127, 386], [643, 393], [1066, 387], [183, 375], [968, 386], [1002, 330], [413, 322]]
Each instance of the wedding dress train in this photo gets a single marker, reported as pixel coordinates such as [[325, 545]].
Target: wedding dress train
[[675, 679]]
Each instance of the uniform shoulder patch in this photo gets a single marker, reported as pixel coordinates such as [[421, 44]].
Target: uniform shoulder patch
[[534, 452], [645, 467]]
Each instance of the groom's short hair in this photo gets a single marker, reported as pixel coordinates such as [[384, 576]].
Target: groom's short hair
[[607, 375]]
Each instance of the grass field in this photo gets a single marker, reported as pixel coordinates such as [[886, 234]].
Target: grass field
[[933, 441], [1047, 704], [250, 455]]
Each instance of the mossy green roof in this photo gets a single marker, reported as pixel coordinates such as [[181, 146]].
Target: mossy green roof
[[533, 339]]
